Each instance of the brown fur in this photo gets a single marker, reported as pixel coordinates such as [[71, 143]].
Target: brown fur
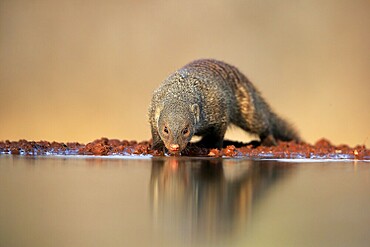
[[204, 97]]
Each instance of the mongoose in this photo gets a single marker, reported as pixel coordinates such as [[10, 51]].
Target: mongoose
[[203, 98]]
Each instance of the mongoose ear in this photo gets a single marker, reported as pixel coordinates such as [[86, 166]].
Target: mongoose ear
[[196, 111]]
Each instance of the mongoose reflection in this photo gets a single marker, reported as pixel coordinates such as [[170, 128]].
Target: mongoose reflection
[[203, 98]]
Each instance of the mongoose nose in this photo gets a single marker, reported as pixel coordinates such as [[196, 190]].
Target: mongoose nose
[[174, 147]]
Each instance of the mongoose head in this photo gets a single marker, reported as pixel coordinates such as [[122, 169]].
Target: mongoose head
[[176, 125]]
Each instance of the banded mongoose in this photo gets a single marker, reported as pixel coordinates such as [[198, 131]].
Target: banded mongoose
[[203, 98]]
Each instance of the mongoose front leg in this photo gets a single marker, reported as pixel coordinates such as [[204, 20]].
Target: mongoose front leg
[[157, 141], [213, 138]]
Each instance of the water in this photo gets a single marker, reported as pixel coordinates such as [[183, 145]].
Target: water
[[57, 201]]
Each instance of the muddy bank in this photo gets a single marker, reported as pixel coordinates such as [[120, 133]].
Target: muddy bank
[[322, 149]]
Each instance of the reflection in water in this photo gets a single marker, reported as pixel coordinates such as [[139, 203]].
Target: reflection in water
[[208, 199]]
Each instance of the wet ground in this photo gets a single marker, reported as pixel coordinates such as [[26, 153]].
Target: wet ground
[[322, 149], [172, 201]]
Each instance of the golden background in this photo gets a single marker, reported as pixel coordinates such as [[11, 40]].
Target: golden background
[[80, 70]]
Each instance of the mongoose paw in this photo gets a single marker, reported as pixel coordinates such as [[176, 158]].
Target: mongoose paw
[[268, 141]]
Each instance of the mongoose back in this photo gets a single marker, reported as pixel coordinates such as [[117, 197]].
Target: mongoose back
[[203, 98]]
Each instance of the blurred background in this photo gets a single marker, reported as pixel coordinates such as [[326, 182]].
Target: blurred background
[[80, 70]]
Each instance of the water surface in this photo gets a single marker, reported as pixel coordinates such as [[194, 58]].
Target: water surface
[[60, 201]]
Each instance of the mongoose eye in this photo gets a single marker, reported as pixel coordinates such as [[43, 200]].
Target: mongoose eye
[[185, 131], [165, 130]]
